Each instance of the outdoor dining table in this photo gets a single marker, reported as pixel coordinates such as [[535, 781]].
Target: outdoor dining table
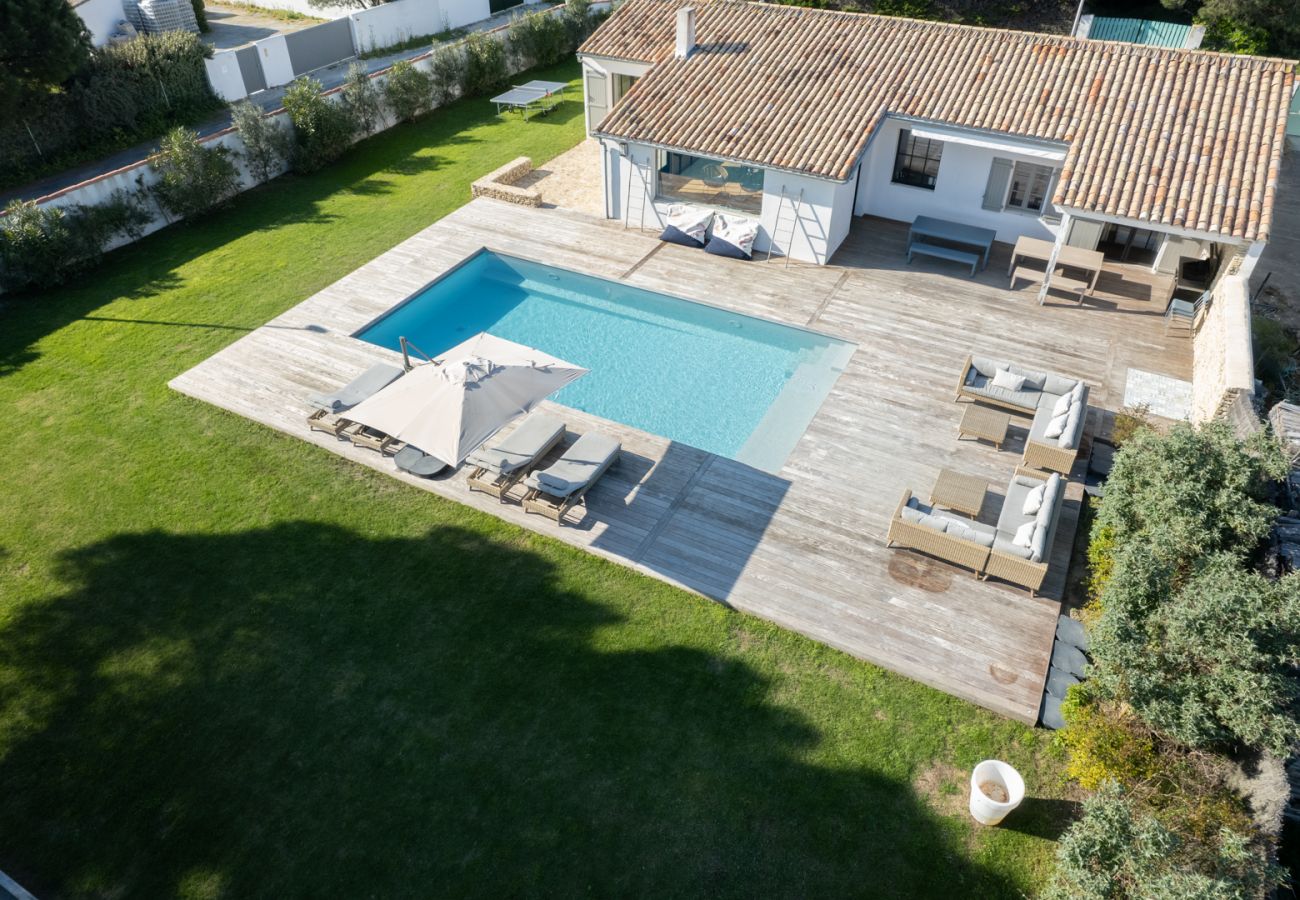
[[1028, 248], [955, 232]]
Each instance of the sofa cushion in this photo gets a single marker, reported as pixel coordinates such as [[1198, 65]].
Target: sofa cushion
[[985, 366], [914, 516], [1008, 380], [1059, 384], [975, 532], [1024, 536], [1034, 381], [1069, 438], [1038, 546], [1022, 399], [1012, 515], [1056, 427], [1002, 544], [1034, 500], [1062, 404]]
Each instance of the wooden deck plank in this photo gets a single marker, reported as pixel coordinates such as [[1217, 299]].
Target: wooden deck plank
[[804, 549]]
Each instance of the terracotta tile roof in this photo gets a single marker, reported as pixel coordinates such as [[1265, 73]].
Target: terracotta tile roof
[[1177, 137]]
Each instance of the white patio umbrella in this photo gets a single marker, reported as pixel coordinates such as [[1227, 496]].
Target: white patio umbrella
[[448, 408]]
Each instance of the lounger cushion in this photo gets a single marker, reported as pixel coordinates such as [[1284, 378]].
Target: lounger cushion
[[580, 465], [368, 383], [687, 225], [732, 236], [417, 462], [521, 447]]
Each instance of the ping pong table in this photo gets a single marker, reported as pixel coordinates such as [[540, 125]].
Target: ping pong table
[[535, 96]]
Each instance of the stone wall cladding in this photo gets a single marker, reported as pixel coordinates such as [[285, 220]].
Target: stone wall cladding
[[1223, 368], [500, 184]]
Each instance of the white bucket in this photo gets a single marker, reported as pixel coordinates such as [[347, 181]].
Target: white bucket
[[985, 809]]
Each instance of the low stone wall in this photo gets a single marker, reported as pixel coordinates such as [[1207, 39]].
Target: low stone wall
[[1223, 366], [500, 184]]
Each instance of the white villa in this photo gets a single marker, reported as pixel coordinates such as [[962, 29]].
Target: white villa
[[805, 119]]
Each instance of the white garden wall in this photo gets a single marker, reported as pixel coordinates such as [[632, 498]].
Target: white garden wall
[[392, 23], [224, 76], [273, 54]]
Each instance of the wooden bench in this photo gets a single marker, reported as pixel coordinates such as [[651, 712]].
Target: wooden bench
[[961, 256]]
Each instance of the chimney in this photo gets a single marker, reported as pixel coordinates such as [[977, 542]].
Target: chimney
[[685, 32]]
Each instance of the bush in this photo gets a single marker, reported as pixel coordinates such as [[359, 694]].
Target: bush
[[323, 131], [580, 21], [1114, 852], [41, 246], [200, 15], [446, 72], [1191, 493], [191, 177], [1103, 744], [1208, 662], [540, 39], [126, 93], [485, 64], [267, 144], [408, 91], [361, 99]]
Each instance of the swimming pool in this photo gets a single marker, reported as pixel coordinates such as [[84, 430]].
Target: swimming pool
[[731, 384]]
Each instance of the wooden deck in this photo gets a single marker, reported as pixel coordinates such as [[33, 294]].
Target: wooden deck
[[804, 549]]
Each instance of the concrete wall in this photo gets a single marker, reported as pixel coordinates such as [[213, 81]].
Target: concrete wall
[[824, 212], [302, 6], [273, 53], [393, 23], [101, 18], [224, 75], [958, 192], [1223, 368]]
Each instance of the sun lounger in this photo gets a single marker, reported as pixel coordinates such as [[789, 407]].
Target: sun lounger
[[417, 462], [555, 490], [364, 436], [498, 469], [326, 418]]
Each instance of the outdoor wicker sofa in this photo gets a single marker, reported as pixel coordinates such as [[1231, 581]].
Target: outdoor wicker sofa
[[989, 550], [1058, 423]]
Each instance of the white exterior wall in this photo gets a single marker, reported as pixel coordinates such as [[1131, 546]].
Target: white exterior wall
[[958, 192], [101, 18], [825, 212], [610, 68]]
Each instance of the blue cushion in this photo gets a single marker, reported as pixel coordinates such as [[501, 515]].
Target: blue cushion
[[674, 235], [718, 247]]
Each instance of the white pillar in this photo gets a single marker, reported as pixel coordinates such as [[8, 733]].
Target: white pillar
[[1051, 261]]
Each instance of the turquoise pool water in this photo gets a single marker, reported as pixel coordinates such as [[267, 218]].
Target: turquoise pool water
[[734, 385]]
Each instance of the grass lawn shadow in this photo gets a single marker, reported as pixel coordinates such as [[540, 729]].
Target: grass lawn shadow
[[303, 710]]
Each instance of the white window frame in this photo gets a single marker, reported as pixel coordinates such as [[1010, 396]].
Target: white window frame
[[1044, 202]]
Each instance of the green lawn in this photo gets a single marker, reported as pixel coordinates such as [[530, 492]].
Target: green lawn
[[232, 664]]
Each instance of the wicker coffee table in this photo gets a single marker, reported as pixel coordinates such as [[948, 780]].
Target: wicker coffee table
[[964, 493], [984, 422]]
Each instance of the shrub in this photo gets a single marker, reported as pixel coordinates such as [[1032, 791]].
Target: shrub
[[200, 15], [407, 91], [125, 93], [361, 99], [540, 39], [191, 177], [580, 21], [1114, 852], [446, 72], [1103, 744], [322, 130], [267, 144], [41, 246], [485, 64], [1207, 662], [1191, 493]]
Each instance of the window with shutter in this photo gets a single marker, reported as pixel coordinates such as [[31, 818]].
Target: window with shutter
[[1029, 187]]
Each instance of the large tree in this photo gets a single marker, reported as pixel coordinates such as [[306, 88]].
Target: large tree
[[42, 43]]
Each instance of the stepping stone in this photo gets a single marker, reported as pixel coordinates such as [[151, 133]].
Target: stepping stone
[[1051, 714], [1071, 631], [1069, 659], [1059, 681]]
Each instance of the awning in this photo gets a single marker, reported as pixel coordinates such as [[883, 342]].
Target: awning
[[997, 143]]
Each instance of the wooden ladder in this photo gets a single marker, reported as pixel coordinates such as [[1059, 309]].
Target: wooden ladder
[[796, 205], [641, 197]]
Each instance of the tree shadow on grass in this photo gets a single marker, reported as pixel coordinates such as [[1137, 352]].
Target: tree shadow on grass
[[310, 711]]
